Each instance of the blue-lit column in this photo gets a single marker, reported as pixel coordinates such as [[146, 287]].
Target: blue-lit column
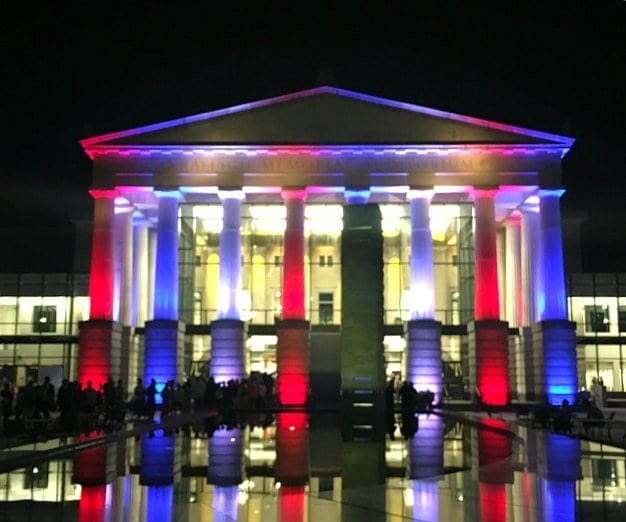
[[165, 333], [426, 467], [228, 331], [159, 470], [554, 337], [225, 471], [559, 468], [424, 367]]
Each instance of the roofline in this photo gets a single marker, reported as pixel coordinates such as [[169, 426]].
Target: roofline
[[95, 140], [346, 148]]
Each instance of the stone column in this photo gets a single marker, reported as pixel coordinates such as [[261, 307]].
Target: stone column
[[532, 283], [426, 466], [99, 338], [140, 271], [487, 334], [228, 331], [292, 464], [165, 333], [554, 337], [124, 283], [424, 365], [514, 303], [140, 308], [292, 350]]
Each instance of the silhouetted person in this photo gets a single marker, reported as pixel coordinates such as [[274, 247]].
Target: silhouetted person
[[390, 416]]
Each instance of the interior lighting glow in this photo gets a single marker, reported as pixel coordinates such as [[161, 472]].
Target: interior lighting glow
[[356, 196]]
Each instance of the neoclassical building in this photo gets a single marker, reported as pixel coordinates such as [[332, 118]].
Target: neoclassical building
[[335, 239]]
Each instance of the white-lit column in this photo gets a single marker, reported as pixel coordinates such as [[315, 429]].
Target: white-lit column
[[513, 274], [422, 290], [152, 254], [228, 331], [424, 366], [532, 280], [230, 256], [140, 271], [124, 261]]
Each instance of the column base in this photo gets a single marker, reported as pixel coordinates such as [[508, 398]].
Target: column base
[[556, 376], [99, 346], [160, 459], [489, 360], [424, 364], [225, 458], [164, 339], [292, 448], [227, 349], [95, 466], [292, 359]]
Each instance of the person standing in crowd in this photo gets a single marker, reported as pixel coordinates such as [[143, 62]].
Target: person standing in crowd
[[596, 392]]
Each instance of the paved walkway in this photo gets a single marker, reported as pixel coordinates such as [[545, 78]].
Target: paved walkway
[[610, 431]]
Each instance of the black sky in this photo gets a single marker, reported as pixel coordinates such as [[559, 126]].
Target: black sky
[[78, 70]]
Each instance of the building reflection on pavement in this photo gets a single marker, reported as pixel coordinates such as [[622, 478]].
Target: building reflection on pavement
[[299, 467]]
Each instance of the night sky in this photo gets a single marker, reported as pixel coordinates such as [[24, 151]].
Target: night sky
[[69, 73]]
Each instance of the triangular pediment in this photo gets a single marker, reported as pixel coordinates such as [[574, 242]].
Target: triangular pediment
[[326, 116]]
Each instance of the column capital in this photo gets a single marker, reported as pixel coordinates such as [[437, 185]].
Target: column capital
[[231, 193], [514, 218], [293, 193], [420, 192], [356, 195], [103, 193], [483, 192], [556, 191], [167, 193]]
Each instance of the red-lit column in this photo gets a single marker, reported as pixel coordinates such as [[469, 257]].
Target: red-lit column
[[99, 337], [292, 464], [494, 469], [94, 470], [487, 334], [292, 351]]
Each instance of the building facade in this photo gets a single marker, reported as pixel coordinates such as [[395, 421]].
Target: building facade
[[335, 239]]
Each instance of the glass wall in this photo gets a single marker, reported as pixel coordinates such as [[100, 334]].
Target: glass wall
[[597, 303], [39, 316], [263, 227]]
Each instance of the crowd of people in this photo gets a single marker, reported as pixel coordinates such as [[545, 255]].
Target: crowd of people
[[404, 397], [39, 408]]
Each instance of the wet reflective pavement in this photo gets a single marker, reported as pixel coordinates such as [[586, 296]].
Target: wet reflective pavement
[[295, 466]]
